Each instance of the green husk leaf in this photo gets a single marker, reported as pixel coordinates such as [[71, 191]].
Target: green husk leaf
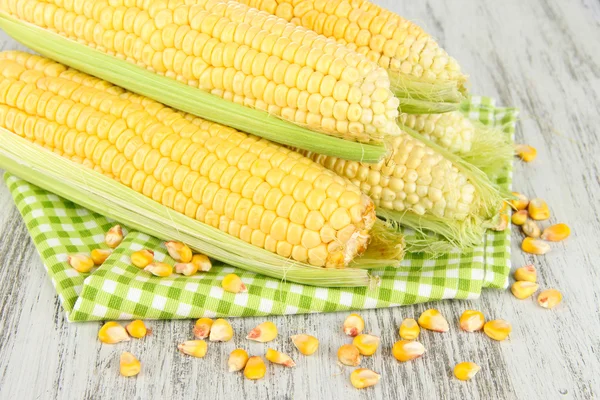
[[105, 196], [421, 97], [183, 97]]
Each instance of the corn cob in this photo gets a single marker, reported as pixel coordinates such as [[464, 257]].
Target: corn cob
[[424, 76], [266, 195], [233, 52]]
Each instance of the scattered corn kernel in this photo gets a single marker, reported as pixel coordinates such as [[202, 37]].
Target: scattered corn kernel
[[137, 329], [535, 246], [81, 263], [353, 325], [187, 269], [306, 344], [549, 298], [434, 321], [129, 365], [237, 360], [471, 320], [520, 217], [255, 368], [367, 344], [348, 354], [526, 273], [466, 370], [556, 233], [521, 202], [112, 332], [497, 329], [179, 251], [502, 223], [233, 284], [277, 357], [202, 262], [142, 258], [538, 209], [526, 152], [114, 236], [531, 229], [264, 332], [100, 255], [409, 329], [202, 328], [523, 289], [194, 348], [362, 378], [160, 269], [220, 331], [406, 350]]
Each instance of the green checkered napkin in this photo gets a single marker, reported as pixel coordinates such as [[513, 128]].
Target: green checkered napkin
[[118, 290]]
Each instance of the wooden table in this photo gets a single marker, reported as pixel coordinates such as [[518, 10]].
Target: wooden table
[[540, 55]]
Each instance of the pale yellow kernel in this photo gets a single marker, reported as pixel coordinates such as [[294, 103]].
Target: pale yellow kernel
[[471, 321], [255, 368], [434, 321], [220, 331], [159, 269], [538, 209], [523, 289], [353, 325], [129, 365], [348, 354], [527, 273], [306, 344], [81, 262], [407, 350], [549, 298], [114, 236], [194, 348], [233, 284], [556, 233], [112, 332], [497, 329], [367, 344], [409, 329], [535, 246], [100, 255], [362, 378], [263, 333], [466, 370], [142, 258], [277, 357], [179, 251], [137, 329], [237, 360], [202, 328]]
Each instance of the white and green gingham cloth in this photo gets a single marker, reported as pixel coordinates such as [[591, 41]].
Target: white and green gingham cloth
[[118, 290]]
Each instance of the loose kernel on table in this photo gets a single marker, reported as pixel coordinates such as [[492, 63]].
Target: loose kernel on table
[[220, 331], [367, 344], [237, 360], [409, 329], [202, 328], [363, 377], [194, 348], [159, 269], [527, 273], [129, 365], [114, 236], [521, 202], [523, 289], [466, 370], [549, 298], [535, 246], [264, 332], [406, 350], [202, 262], [306, 344], [137, 329], [353, 325], [179, 252], [520, 217], [471, 321], [538, 209], [112, 332], [502, 223], [233, 284], [255, 368], [434, 321], [526, 152], [277, 357], [348, 354], [98, 256], [531, 229], [497, 329], [81, 262], [556, 233], [142, 258], [187, 269]]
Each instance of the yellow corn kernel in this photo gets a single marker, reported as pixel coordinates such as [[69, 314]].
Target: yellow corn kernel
[[471, 321], [160, 269], [531, 229], [263, 333], [179, 251], [348, 354], [409, 329], [538, 209], [527, 273], [519, 217], [112, 332], [306, 344], [523, 289], [137, 329], [81, 263], [233, 284], [406, 350], [556, 233], [521, 202], [237, 360], [202, 262], [142, 258], [367, 344], [187, 269], [100, 255], [497, 329], [466, 370], [502, 223], [353, 325], [526, 152], [220, 331], [114, 236], [194, 348], [549, 298], [202, 328], [363, 377], [255, 368], [277, 357], [434, 321], [535, 246], [129, 365]]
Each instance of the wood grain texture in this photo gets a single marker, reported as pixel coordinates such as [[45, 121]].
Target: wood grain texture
[[540, 55]]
